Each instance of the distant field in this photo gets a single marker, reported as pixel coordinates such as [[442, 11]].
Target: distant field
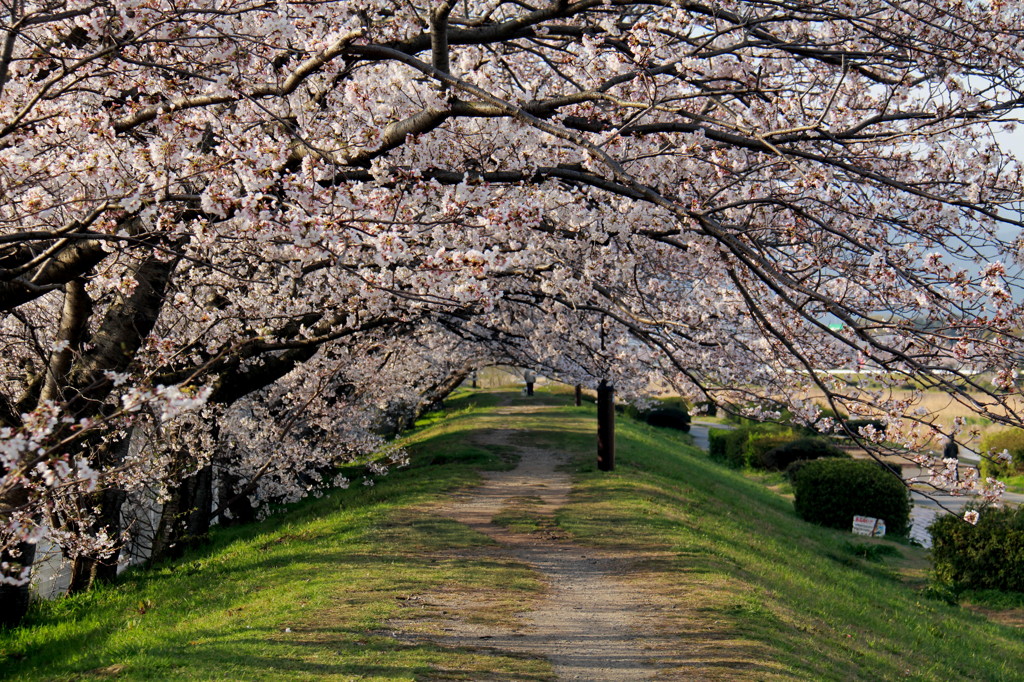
[[944, 408], [939, 404]]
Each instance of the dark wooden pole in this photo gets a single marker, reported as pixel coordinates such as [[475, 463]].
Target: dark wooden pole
[[579, 395], [605, 426]]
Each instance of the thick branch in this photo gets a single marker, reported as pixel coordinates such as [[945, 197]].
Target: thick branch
[[71, 262], [439, 36], [73, 328]]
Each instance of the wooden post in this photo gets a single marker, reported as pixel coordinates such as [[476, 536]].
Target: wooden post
[[579, 395], [605, 426]]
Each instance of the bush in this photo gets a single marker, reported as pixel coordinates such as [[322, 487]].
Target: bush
[[779, 458], [829, 412], [831, 491], [986, 556], [669, 418], [745, 446], [1007, 439], [794, 469], [758, 445], [725, 446]]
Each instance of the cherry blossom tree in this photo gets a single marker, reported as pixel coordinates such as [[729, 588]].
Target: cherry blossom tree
[[206, 206]]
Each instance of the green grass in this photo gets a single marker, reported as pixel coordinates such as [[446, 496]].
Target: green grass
[[813, 601], [756, 592], [995, 599], [1014, 484], [306, 594]]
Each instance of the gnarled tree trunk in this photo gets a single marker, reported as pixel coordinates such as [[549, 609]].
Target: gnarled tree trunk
[[14, 599], [185, 518], [233, 504], [88, 569]]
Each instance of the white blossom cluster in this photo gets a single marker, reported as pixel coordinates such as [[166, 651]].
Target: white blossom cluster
[[251, 241]]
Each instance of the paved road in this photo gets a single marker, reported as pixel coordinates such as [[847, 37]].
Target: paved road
[[699, 431], [936, 500]]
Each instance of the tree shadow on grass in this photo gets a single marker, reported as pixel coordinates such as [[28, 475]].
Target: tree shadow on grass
[[226, 595], [304, 653]]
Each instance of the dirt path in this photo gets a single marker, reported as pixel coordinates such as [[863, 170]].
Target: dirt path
[[591, 624]]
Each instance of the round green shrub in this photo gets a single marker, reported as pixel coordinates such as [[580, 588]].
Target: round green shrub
[[743, 446], [831, 491], [779, 458], [669, 418], [989, 555], [759, 444], [829, 412], [794, 469], [1011, 440], [725, 446]]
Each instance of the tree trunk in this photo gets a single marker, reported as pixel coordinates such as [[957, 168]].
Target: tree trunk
[[235, 508], [88, 569], [199, 513], [579, 395], [73, 327], [83, 386], [605, 426], [433, 397], [185, 518], [14, 599]]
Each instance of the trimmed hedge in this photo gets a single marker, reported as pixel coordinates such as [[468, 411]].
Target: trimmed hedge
[[746, 446], [1007, 439], [794, 469], [725, 446], [986, 556], [830, 492], [779, 458], [668, 416], [758, 445]]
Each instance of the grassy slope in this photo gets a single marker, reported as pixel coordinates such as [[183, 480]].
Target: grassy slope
[[807, 595], [748, 576], [332, 571]]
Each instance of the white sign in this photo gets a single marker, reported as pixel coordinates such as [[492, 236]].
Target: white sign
[[865, 525], [920, 519]]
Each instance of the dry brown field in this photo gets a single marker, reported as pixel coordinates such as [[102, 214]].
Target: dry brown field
[[945, 407]]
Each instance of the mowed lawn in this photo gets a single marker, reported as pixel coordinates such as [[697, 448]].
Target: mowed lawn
[[312, 593]]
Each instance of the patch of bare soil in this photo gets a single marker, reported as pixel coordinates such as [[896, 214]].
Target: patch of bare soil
[[1011, 617], [601, 618]]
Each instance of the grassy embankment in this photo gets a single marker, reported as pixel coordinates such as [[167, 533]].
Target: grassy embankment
[[760, 594]]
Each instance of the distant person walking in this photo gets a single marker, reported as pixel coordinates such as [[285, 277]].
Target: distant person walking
[[530, 378], [951, 451]]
